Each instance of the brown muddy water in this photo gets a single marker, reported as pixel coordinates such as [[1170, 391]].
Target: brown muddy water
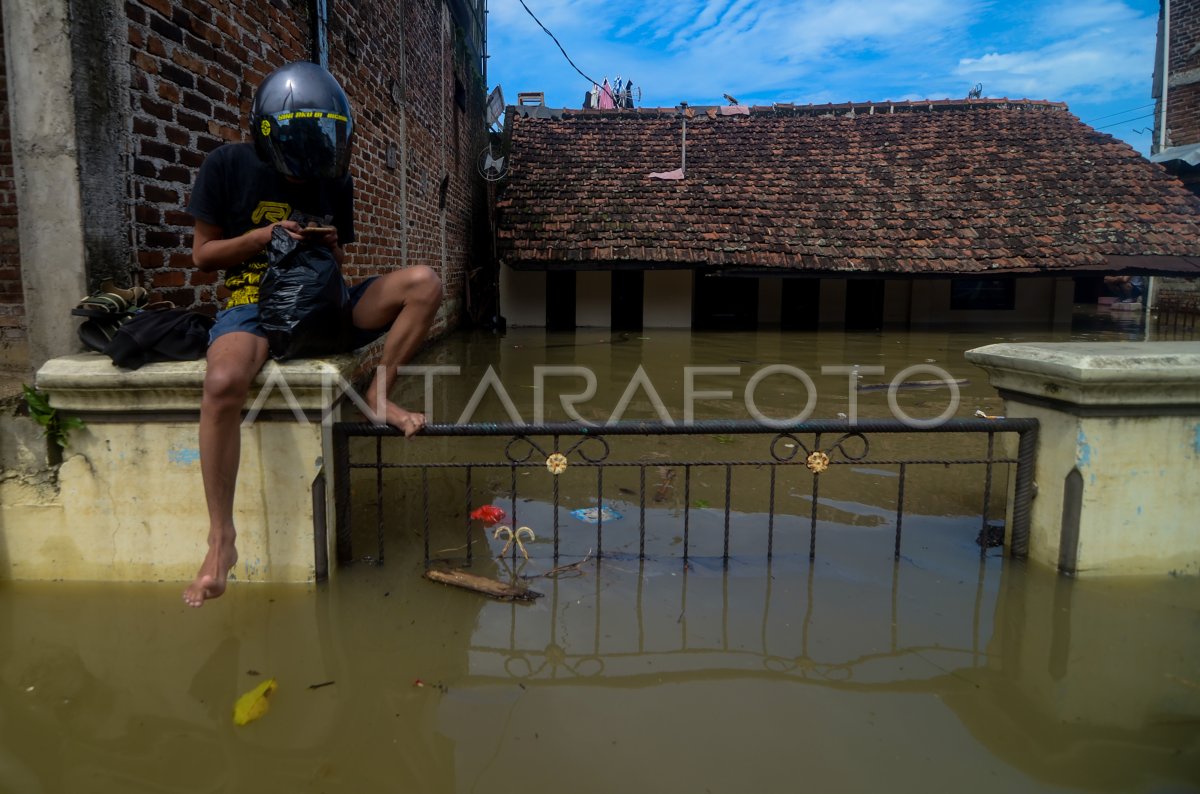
[[942, 671]]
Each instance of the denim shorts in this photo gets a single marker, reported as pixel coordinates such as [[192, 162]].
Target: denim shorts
[[244, 318]]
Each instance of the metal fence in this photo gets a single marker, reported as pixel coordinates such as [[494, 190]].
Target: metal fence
[[809, 448], [1176, 315]]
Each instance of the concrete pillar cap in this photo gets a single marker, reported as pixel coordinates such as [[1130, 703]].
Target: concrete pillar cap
[[1095, 373]]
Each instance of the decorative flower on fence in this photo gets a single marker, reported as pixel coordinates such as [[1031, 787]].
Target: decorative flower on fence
[[817, 462], [509, 537], [488, 514], [556, 463]]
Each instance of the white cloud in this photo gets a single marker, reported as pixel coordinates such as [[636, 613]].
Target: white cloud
[[1089, 64], [1085, 52]]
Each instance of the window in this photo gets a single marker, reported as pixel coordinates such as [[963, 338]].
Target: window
[[983, 294]]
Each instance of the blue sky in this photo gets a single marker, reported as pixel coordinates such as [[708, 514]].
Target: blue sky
[[1095, 55]]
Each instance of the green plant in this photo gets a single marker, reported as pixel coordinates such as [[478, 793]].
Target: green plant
[[55, 426]]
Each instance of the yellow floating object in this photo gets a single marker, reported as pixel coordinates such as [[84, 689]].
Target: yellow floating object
[[254, 703]]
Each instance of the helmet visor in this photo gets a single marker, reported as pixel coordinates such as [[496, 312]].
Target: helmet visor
[[308, 144]]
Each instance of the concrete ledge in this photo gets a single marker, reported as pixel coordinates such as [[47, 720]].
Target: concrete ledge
[[89, 382], [1100, 373], [127, 503]]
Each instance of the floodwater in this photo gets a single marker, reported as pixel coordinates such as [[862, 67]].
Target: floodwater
[[943, 670]]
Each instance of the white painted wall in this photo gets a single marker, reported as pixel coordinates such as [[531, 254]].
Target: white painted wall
[[667, 299], [523, 296]]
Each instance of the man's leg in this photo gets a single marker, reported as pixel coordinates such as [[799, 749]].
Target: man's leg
[[407, 300], [233, 361]]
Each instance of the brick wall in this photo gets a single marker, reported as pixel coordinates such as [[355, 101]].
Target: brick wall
[[1183, 105], [12, 307], [195, 65]]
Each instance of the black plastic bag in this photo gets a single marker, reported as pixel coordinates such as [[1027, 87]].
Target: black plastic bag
[[303, 302]]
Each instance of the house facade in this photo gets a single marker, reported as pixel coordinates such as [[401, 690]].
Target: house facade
[[978, 211], [1176, 91], [1176, 147], [113, 105]]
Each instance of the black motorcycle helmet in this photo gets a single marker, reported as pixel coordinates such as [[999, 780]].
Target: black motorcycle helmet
[[302, 122]]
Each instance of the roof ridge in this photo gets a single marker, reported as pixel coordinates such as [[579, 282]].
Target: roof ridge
[[870, 107]]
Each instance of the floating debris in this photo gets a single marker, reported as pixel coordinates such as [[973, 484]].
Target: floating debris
[[481, 584], [915, 384], [488, 514], [254, 703], [593, 515], [666, 479]]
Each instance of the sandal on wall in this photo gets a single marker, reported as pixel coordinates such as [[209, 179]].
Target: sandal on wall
[[110, 301], [97, 333]]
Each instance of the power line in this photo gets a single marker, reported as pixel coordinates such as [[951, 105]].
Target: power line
[[1119, 113], [1126, 121], [560, 46]]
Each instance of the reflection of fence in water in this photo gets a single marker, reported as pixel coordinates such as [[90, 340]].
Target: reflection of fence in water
[[803, 451], [766, 629]]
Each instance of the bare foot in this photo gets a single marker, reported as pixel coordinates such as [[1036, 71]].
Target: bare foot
[[409, 422], [210, 581]]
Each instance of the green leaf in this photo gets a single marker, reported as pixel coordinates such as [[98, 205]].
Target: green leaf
[[55, 426]]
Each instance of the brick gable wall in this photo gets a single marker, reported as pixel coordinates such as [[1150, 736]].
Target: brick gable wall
[[1183, 105], [194, 68]]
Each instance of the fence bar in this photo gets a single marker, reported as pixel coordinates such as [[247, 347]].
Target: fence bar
[[341, 494], [379, 501], [987, 496], [470, 498], [899, 510], [771, 517], [687, 510], [641, 512], [700, 428], [599, 512], [425, 511], [1023, 491], [812, 526], [728, 500]]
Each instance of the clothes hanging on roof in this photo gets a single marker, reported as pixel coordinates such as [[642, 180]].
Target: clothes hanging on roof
[[606, 96]]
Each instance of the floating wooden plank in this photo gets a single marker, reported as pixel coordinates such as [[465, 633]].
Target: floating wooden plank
[[914, 384], [481, 584]]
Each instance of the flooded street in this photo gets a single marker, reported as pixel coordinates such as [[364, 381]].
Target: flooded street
[[942, 670]]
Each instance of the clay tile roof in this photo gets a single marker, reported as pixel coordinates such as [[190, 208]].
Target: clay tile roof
[[930, 186]]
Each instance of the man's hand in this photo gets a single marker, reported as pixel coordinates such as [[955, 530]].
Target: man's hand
[[327, 239]]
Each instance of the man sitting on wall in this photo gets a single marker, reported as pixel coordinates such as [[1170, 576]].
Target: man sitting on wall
[[1126, 289], [302, 126]]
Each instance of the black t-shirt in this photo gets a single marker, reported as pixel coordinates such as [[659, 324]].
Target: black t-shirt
[[237, 191]]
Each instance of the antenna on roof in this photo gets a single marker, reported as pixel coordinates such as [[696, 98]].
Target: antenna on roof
[[681, 171], [975, 92]]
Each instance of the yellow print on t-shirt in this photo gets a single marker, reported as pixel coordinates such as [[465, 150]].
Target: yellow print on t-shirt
[[243, 281], [271, 212]]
